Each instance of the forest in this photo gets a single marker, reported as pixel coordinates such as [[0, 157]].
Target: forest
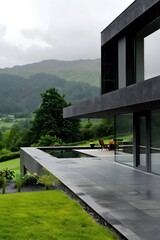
[[47, 127], [20, 94]]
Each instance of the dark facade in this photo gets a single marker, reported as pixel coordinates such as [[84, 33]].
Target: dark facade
[[130, 85]]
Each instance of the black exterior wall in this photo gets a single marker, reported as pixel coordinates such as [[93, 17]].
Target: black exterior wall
[[123, 86], [137, 15], [133, 24], [137, 97]]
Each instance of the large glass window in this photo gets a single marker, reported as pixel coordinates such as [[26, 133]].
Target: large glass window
[[155, 141], [148, 51], [124, 139], [152, 55]]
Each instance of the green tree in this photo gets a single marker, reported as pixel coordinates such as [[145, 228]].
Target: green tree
[[23, 139], [1, 136], [16, 137], [86, 130], [47, 140], [49, 119], [103, 128], [5, 139]]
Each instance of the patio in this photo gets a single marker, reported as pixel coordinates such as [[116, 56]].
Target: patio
[[126, 198]]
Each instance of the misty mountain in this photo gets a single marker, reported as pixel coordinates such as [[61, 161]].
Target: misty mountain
[[22, 94], [87, 71]]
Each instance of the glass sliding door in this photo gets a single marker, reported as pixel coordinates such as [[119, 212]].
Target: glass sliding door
[[142, 142], [155, 141], [124, 139]]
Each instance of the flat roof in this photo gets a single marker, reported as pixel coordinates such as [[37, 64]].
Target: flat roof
[[128, 16]]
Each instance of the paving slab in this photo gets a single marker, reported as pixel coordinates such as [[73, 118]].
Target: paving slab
[[126, 198]]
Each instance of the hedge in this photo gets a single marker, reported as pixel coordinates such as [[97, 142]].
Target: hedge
[[9, 156]]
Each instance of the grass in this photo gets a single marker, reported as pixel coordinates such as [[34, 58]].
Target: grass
[[47, 215], [13, 164], [106, 140], [8, 124]]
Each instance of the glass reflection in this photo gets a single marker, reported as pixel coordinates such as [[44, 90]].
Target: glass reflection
[[155, 141], [124, 139]]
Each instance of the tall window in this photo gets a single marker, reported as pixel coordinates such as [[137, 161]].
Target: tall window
[[148, 51], [124, 139], [152, 55]]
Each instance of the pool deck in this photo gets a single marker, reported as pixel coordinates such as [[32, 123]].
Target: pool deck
[[126, 198]]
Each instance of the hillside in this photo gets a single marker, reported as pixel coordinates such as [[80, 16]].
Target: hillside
[[20, 94], [87, 71]]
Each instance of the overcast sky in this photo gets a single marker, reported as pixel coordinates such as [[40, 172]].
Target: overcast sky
[[34, 30]]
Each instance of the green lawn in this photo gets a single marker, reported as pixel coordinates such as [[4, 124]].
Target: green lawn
[[47, 215], [6, 125], [106, 140], [13, 164], [9, 124]]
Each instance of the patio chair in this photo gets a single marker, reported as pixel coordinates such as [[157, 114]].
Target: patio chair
[[102, 144], [112, 145]]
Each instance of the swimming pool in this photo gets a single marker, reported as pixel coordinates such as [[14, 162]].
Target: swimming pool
[[66, 153]]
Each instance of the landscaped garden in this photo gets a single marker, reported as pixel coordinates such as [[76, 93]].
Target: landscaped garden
[[46, 215], [13, 164]]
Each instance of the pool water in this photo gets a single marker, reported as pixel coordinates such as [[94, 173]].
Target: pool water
[[66, 153]]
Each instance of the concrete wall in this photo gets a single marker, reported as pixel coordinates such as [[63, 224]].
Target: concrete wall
[[133, 12], [28, 161], [122, 84], [136, 97]]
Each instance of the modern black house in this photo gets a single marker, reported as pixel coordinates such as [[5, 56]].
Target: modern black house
[[130, 85]]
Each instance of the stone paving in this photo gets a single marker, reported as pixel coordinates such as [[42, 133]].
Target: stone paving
[[126, 198]]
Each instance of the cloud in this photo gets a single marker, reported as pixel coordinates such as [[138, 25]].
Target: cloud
[[57, 29], [2, 30]]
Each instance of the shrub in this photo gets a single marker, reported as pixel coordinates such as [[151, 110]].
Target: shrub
[[3, 183], [9, 156], [7, 173], [18, 182], [48, 140], [47, 179], [29, 179], [4, 151]]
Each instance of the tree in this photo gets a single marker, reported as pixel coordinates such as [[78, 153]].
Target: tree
[[6, 139], [1, 144], [47, 140], [86, 130], [104, 128], [16, 137], [49, 119]]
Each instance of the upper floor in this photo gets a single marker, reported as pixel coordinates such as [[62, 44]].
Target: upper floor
[[130, 46], [130, 64]]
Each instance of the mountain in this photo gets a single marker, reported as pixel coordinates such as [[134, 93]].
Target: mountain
[[21, 94], [87, 71]]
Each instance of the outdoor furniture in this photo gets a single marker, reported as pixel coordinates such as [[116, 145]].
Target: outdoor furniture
[[112, 145], [115, 144], [102, 144]]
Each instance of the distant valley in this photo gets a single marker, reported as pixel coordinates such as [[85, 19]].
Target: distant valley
[[21, 86]]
